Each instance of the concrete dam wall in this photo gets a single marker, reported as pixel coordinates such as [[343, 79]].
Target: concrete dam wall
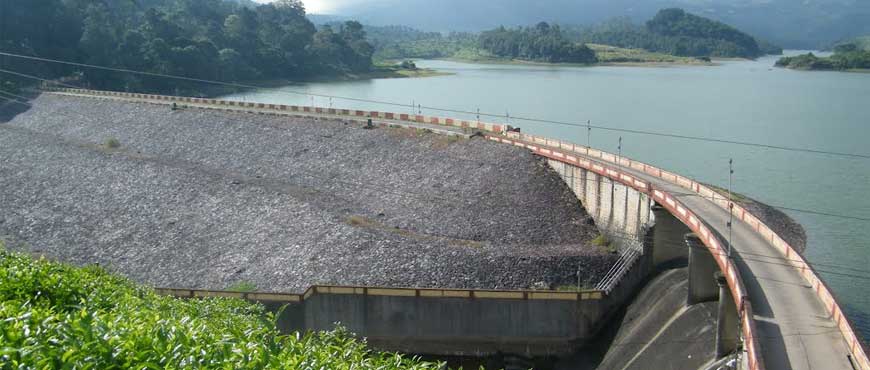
[[660, 187], [465, 320], [481, 323]]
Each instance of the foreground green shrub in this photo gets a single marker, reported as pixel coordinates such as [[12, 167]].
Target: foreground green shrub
[[56, 316]]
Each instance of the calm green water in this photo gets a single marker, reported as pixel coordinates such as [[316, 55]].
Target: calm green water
[[741, 100]]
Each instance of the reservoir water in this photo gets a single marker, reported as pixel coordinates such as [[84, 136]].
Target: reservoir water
[[748, 101]]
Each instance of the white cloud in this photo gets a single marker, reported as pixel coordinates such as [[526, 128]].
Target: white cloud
[[329, 6]]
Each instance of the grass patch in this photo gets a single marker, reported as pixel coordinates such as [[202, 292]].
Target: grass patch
[[112, 143], [601, 241], [243, 287], [736, 197], [604, 244], [408, 132], [443, 141], [615, 55], [56, 316]]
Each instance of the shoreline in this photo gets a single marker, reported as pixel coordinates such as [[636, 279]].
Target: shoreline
[[853, 70], [378, 73], [381, 73], [519, 62]]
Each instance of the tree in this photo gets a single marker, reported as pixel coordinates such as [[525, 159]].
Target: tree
[[207, 39]]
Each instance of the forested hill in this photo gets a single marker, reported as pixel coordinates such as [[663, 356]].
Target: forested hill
[[676, 32], [794, 24], [672, 32], [205, 39]]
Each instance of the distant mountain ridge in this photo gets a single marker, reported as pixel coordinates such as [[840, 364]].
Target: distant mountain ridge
[[789, 23]]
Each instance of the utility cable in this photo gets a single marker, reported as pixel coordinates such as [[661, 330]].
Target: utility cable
[[431, 197], [635, 238], [506, 116]]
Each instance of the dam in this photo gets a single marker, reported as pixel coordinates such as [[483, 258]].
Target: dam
[[628, 202]]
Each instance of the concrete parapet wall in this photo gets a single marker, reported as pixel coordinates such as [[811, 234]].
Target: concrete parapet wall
[[261, 108], [791, 254], [444, 322], [568, 153]]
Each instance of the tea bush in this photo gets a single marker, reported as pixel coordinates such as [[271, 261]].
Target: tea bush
[[56, 316]]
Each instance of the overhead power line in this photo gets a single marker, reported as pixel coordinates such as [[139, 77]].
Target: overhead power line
[[793, 209], [781, 261], [754, 257], [505, 116], [784, 208], [7, 93]]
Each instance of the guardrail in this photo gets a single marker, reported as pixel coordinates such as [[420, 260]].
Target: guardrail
[[567, 152], [389, 292], [295, 109], [792, 256], [627, 259]]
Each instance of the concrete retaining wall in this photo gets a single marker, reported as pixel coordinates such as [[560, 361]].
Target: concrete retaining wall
[[617, 209], [443, 322]]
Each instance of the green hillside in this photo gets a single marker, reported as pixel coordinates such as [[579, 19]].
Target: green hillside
[[672, 32], [844, 59], [858, 43], [60, 317], [677, 32]]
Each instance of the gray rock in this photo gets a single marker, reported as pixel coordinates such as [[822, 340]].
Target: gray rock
[[204, 199]]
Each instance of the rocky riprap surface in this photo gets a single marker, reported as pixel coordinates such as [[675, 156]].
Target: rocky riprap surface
[[782, 224], [207, 199]]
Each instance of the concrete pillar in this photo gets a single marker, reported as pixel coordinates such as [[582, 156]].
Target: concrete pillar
[[726, 327], [668, 244], [702, 266]]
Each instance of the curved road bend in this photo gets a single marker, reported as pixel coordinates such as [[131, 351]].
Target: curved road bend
[[794, 328]]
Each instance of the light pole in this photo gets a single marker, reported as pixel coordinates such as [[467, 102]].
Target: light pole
[[619, 148], [730, 204], [589, 134]]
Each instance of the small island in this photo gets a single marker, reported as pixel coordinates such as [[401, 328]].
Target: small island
[[852, 56]]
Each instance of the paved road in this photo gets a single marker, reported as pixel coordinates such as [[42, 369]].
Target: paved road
[[794, 327]]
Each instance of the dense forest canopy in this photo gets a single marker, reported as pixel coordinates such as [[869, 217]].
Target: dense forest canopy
[[543, 43], [789, 23], [205, 39], [672, 31], [676, 32]]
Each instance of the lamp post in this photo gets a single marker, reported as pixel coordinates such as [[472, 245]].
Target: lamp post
[[730, 204]]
